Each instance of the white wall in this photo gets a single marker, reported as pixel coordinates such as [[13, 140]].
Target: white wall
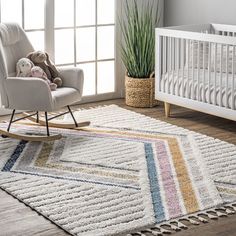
[[182, 12], [157, 3]]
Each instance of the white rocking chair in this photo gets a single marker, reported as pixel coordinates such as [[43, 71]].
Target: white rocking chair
[[33, 94]]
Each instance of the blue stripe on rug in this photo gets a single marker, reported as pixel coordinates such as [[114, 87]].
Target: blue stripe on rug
[[15, 155], [154, 184]]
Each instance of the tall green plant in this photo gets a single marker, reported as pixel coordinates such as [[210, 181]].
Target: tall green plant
[[138, 30]]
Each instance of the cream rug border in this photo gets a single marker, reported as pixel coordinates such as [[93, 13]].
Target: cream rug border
[[175, 225]]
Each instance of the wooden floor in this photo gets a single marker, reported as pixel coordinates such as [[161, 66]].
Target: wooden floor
[[18, 220]]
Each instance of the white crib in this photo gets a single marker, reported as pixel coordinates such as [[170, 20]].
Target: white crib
[[196, 68]]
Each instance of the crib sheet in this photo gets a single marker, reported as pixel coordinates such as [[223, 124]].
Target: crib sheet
[[180, 83]]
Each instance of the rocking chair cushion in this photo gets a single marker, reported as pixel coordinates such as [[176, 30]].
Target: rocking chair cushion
[[10, 35], [64, 96], [72, 77], [28, 94], [34, 94]]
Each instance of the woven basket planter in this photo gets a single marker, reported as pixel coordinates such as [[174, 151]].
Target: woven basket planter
[[140, 92]]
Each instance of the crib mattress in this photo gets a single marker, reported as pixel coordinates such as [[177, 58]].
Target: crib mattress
[[186, 85]]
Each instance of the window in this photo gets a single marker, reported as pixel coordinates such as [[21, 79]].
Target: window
[[76, 33], [21, 13], [89, 33]]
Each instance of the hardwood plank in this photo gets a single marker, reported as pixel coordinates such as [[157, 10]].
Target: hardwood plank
[[18, 219]]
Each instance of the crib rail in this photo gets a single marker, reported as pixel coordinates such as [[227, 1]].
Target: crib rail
[[199, 66]]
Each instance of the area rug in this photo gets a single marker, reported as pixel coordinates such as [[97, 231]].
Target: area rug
[[125, 173]]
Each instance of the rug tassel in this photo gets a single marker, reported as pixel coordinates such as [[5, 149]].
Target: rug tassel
[[229, 211], [175, 227], [202, 219], [194, 222], [234, 207], [181, 225], [221, 214], [171, 226], [211, 216], [161, 229], [154, 232], [165, 231]]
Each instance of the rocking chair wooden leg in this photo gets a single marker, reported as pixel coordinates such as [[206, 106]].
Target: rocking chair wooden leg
[[71, 113]]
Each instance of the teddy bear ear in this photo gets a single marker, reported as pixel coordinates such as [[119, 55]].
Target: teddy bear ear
[[17, 69], [29, 55], [31, 63], [48, 59]]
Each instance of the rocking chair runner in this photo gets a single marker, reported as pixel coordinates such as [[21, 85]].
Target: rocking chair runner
[[19, 93]]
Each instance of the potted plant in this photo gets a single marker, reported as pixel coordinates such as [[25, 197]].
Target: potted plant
[[138, 52]]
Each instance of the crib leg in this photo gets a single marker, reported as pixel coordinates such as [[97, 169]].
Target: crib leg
[[167, 109]]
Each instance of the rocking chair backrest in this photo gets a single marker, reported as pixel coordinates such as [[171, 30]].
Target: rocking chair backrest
[[14, 44]]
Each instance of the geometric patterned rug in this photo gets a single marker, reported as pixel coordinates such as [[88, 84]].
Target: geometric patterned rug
[[109, 180]]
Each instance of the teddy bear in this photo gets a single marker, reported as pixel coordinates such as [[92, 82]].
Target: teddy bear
[[26, 68], [42, 60], [23, 67], [38, 72]]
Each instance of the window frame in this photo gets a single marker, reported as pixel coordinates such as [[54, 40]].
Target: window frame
[[23, 19], [50, 48]]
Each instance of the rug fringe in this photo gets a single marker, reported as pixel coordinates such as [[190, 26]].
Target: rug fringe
[[193, 219]]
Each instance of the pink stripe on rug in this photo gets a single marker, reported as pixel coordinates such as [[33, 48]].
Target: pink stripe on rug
[[172, 198]]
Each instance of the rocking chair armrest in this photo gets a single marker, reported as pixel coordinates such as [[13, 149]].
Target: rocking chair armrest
[[72, 77], [30, 91]]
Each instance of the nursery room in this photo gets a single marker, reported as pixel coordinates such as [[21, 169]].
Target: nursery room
[[117, 117]]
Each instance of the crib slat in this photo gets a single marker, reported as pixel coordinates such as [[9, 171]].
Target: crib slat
[[163, 55], [188, 55], [198, 72], [193, 68], [227, 76], [215, 71], [178, 64], [233, 78], [182, 66], [169, 65], [209, 73], [221, 65], [173, 62], [163, 64], [203, 66]]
